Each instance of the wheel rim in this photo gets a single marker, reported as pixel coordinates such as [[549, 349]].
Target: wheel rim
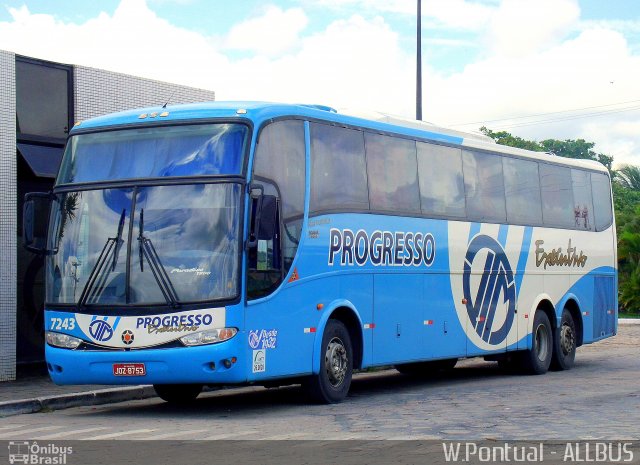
[[542, 342], [336, 361], [567, 339]]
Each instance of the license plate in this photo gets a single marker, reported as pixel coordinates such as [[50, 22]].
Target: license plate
[[129, 369]]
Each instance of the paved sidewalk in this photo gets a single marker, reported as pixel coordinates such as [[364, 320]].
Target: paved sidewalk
[[35, 392]]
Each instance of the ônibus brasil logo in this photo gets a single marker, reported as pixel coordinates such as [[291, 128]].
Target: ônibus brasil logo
[[496, 280]]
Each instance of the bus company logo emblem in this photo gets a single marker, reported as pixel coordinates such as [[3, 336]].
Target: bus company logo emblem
[[100, 330], [263, 338], [127, 337], [497, 280]]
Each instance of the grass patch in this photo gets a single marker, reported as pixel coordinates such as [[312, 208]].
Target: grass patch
[[628, 315]]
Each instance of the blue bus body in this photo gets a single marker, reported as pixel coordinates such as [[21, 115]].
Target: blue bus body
[[408, 287]]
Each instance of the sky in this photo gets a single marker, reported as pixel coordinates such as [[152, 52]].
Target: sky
[[539, 69]]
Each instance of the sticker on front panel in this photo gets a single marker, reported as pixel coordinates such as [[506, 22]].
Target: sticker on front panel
[[259, 361], [263, 338]]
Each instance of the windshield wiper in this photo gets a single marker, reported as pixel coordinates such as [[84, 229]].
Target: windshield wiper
[[148, 251], [100, 272]]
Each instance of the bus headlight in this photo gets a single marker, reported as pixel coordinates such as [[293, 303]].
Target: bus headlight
[[209, 336], [62, 340]]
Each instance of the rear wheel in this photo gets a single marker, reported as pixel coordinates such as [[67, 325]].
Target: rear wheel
[[331, 384], [536, 361], [178, 393], [565, 342]]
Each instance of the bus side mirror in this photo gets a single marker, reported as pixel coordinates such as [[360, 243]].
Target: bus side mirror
[[35, 221], [268, 218], [263, 216]]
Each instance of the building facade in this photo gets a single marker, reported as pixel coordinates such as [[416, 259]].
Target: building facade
[[39, 102]]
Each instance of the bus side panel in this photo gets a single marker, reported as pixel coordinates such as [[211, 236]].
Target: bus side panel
[[399, 312], [445, 336], [275, 326], [289, 322]]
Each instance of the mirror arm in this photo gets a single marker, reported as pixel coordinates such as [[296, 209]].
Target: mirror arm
[[252, 241]]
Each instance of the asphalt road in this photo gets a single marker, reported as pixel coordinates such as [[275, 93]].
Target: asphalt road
[[598, 399]]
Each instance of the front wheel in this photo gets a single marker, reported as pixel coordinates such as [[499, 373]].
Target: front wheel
[[332, 383], [178, 393], [565, 343], [536, 361]]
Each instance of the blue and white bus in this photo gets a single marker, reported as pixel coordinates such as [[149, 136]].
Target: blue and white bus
[[234, 243]]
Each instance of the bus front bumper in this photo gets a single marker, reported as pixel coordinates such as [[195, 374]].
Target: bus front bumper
[[207, 364]]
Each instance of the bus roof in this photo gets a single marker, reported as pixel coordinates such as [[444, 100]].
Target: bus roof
[[259, 112]]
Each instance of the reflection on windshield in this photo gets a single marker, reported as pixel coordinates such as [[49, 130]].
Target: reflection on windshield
[[186, 150], [193, 229]]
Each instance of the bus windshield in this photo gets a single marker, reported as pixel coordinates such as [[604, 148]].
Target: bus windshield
[[180, 244], [185, 150]]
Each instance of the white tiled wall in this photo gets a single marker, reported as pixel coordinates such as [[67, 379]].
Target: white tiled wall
[[8, 219], [98, 92]]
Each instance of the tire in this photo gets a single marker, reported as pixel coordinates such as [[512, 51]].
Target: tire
[[536, 361], [564, 343], [426, 368], [331, 385], [179, 394]]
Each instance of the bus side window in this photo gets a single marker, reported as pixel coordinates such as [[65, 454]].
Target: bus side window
[[279, 166], [582, 200], [602, 201]]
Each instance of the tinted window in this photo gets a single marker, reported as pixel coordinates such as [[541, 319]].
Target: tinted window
[[601, 200], [391, 166], [42, 100], [557, 196], [204, 149], [484, 187], [522, 191], [441, 181], [280, 159], [582, 200], [338, 172]]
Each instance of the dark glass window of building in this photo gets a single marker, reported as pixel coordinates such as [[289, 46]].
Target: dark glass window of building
[[42, 100]]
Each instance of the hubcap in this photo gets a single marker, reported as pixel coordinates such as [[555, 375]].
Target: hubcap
[[567, 339], [542, 343], [336, 361]]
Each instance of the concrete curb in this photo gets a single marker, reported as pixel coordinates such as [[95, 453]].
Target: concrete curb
[[77, 399], [629, 321]]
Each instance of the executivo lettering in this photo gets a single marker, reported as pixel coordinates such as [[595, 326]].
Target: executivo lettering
[[556, 257]]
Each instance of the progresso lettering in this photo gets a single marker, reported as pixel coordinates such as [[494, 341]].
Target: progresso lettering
[[382, 248], [174, 321]]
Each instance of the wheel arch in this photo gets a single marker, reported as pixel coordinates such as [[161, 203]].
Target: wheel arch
[[573, 307], [344, 311]]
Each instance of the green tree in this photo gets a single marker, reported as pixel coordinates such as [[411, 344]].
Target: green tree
[[569, 148], [505, 138], [628, 176], [629, 262]]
